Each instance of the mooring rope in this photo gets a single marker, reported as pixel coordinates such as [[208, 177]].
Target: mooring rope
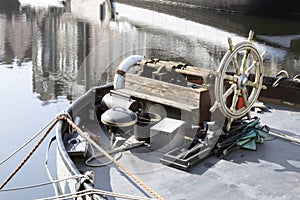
[[92, 142], [41, 184], [26, 143], [95, 191], [31, 152], [121, 167], [76, 194]]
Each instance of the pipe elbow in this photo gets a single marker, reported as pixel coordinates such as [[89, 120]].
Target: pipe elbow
[[119, 79]]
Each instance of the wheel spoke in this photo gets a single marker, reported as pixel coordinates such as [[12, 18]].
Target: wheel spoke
[[234, 99], [244, 61], [236, 65], [234, 60], [251, 67], [229, 122], [230, 78], [244, 96], [229, 91], [245, 100], [253, 84]]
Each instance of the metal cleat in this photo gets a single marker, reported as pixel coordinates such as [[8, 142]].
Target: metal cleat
[[281, 75]]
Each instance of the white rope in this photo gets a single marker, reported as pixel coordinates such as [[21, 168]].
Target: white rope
[[55, 187], [95, 191], [40, 184], [26, 143]]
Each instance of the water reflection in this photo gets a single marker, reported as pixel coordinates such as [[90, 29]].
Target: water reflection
[[280, 37], [56, 53], [72, 51], [50, 40]]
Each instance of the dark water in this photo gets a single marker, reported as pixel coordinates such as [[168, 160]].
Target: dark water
[[65, 52]]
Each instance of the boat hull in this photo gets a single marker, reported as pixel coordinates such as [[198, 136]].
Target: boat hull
[[64, 172], [288, 8], [66, 169]]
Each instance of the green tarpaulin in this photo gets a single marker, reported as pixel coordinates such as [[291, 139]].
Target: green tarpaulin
[[253, 133]]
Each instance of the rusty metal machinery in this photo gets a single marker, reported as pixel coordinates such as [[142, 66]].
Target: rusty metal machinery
[[238, 80]]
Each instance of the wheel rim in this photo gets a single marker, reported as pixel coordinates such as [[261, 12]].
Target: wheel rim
[[239, 82], [238, 79]]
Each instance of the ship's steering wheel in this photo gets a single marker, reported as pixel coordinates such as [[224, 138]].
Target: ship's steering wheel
[[238, 80]]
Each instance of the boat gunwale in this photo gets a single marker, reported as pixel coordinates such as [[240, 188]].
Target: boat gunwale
[[88, 97]]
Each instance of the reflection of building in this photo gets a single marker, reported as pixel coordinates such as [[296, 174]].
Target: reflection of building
[[70, 56], [51, 41], [91, 11], [55, 54], [15, 37]]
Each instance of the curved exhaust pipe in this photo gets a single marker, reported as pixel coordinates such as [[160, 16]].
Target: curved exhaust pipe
[[119, 79]]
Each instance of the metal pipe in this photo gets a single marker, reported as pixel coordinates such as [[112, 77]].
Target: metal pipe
[[284, 136], [119, 79]]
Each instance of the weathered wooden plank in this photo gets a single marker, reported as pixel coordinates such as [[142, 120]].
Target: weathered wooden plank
[[175, 104], [163, 90]]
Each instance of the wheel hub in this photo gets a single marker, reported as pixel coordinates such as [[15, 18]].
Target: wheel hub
[[242, 81]]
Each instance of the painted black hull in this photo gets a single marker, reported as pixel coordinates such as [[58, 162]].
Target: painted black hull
[[10, 5], [287, 91], [288, 8]]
